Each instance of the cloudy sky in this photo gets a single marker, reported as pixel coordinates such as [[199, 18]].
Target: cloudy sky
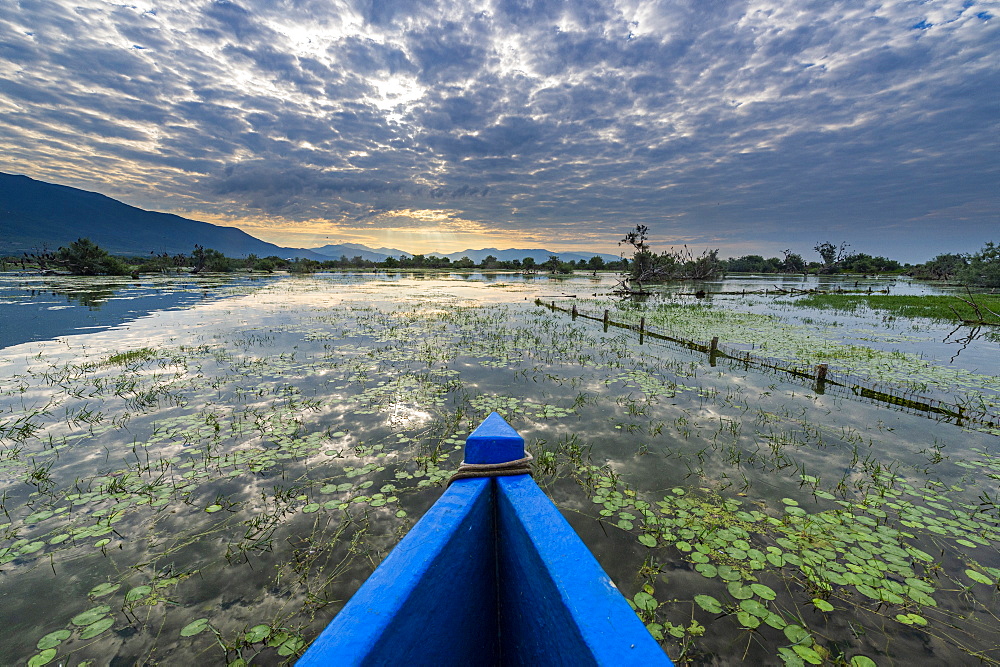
[[751, 126]]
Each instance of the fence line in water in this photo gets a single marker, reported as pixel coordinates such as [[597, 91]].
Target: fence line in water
[[823, 381]]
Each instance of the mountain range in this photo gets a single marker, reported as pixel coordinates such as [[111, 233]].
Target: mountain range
[[540, 255], [37, 216]]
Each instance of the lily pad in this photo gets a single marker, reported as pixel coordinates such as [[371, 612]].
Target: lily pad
[[194, 627], [100, 590], [92, 615], [43, 658], [822, 605], [138, 593], [97, 628], [53, 639], [644, 601], [258, 633], [708, 603], [979, 577]]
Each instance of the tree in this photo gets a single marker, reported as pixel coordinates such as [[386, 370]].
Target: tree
[[793, 262], [208, 259], [942, 267], [864, 263], [83, 257], [983, 269], [529, 264], [832, 255], [647, 267]]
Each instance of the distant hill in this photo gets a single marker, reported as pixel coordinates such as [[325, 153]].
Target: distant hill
[[36, 215], [351, 250], [537, 254]]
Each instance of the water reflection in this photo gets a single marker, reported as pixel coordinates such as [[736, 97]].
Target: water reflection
[[35, 308]]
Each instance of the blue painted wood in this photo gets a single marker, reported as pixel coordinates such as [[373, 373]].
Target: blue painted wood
[[494, 441], [557, 605], [433, 598], [492, 574]]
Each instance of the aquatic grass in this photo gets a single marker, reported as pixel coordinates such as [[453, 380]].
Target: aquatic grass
[[933, 307]]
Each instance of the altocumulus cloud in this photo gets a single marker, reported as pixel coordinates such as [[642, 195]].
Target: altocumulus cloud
[[750, 126]]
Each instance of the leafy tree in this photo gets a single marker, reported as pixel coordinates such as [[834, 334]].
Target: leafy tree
[[792, 262], [83, 257], [464, 263], [983, 269], [490, 262], [528, 263], [943, 267], [647, 267], [596, 263], [862, 263], [832, 255], [208, 259]]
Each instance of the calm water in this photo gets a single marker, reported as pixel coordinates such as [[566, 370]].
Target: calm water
[[209, 476]]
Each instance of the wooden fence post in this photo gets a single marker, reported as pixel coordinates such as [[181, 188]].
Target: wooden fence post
[[820, 378], [713, 350]]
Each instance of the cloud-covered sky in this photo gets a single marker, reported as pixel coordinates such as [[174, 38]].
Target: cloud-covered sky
[[751, 126]]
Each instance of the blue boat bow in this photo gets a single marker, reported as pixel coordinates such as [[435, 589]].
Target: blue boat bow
[[492, 574]]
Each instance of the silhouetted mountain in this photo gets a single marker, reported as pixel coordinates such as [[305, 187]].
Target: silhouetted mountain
[[35, 215], [352, 250]]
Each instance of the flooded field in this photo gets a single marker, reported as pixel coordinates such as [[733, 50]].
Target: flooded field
[[204, 469]]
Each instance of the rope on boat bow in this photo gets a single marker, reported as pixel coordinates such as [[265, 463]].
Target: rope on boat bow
[[505, 469]]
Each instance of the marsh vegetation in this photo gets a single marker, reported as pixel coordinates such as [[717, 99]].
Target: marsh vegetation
[[210, 483]]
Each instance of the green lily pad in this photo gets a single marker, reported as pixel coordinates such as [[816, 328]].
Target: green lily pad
[[138, 593], [822, 605], [796, 634], [706, 569], [100, 590], [291, 646], [911, 619], [97, 628], [862, 661], [763, 591], [194, 627], [53, 639], [644, 601], [258, 633], [979, 577], [708, 603], [92, 615], [647, 540], [43, 658], [739, 591], [808, 654]]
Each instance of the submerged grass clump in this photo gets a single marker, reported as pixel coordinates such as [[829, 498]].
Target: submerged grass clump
[[934, 307]]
